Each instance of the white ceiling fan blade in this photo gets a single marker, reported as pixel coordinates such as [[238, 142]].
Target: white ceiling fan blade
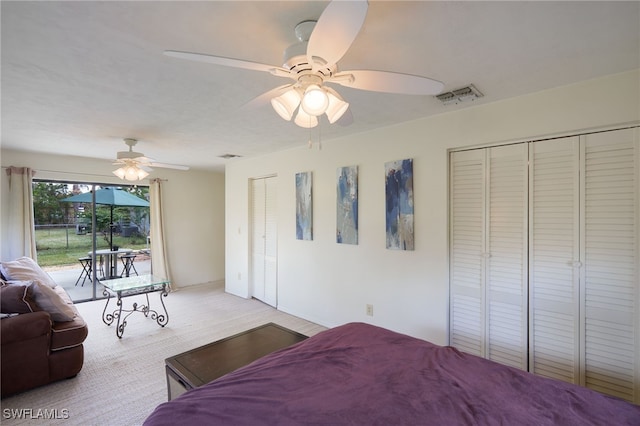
[[227, 62], [166, 166], [143, 160], [264, 98], [150, 162], [335, 30], [137, 159], [389, 82]]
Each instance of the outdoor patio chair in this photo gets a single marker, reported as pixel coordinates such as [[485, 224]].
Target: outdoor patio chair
[[127, 262], [86, 269]]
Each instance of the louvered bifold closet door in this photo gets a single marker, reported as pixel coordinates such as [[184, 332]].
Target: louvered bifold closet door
[[554, 258], [611, 261], [488, 258], [506, 255], [466, 257]]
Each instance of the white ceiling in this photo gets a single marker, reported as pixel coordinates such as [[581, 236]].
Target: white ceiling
[[77, 77]]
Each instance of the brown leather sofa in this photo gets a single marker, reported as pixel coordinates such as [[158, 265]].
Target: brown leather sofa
[[36, 350]]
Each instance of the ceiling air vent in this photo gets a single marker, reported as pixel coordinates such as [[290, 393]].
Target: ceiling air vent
[[468, 93], [228, 156]]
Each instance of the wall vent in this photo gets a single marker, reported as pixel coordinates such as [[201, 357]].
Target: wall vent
[[463, 94]]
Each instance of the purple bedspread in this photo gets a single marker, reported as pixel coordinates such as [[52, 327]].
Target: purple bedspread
[[359, 374]]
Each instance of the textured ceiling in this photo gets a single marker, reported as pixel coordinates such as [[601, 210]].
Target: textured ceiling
[[77, 77]]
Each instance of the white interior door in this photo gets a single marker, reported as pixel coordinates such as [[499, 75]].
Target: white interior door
[[554, 262], [264, 248], [488, 253], [584, 259], [270, 244], [467, 251], [506, 255], [610, 281]]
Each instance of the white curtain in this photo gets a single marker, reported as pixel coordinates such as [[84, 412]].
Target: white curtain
[[159, 261], [22, 233]]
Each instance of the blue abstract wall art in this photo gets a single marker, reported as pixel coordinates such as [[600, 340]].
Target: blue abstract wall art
[[399, 204], [347, 205], [304, 207]]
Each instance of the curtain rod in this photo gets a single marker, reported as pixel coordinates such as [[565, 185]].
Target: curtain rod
[[63, 172], [79, 173]]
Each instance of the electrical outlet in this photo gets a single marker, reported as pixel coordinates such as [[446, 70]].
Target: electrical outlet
[[370, 310], [239, 275]]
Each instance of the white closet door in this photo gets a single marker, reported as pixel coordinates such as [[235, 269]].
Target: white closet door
[[271, 244], [489, 253], [264, 271], [506, 256], [611, 278], [467, 244], [554, 258], [258, 197]]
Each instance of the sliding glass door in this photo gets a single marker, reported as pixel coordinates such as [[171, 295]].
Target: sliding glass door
[[90, 232]]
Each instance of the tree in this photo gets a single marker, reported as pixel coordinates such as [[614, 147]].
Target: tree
[[47, 208]]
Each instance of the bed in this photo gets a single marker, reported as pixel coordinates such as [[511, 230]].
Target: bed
[[360, 374]]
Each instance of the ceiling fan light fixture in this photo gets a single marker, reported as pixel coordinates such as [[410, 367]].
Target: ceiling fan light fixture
[[305, 120], [130, 173], [315, 100], [337, 106], [285, 105]]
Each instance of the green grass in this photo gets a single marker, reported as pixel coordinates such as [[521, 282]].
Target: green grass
[[58, 247]]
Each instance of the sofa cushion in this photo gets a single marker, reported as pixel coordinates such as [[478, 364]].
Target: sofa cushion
[[48, 299], [24, 327], [26, 269], [17, 298], [68, 334]]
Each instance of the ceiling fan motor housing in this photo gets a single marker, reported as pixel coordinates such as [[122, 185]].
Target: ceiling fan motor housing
[[131, 153], [295, 56]]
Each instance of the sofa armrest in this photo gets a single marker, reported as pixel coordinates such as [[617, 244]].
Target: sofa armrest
[[24, 327]]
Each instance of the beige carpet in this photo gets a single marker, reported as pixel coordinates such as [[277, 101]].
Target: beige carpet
[[123, 380]]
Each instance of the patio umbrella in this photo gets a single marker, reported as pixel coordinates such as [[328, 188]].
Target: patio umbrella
[[112, 197]]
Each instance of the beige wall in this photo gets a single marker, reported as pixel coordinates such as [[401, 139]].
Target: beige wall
[[194, 209], [331, 283]]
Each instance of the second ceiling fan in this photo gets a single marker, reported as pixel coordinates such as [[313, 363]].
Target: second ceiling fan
[[312, 62]]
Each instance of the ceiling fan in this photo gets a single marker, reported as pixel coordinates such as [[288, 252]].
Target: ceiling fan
[[312, 62], [135, 166]]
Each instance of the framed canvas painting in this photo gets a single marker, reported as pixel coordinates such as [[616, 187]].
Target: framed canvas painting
[[347, 205], [304, 207], [399, 204]]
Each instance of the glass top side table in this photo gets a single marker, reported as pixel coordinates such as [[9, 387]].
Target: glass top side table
[[131, 286]]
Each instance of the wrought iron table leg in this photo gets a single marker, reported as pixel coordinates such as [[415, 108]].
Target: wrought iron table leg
[[148, 307], [122, 322], [107, 318], [161, 319]]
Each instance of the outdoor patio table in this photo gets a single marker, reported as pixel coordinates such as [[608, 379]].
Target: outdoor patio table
[[111, 260]]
